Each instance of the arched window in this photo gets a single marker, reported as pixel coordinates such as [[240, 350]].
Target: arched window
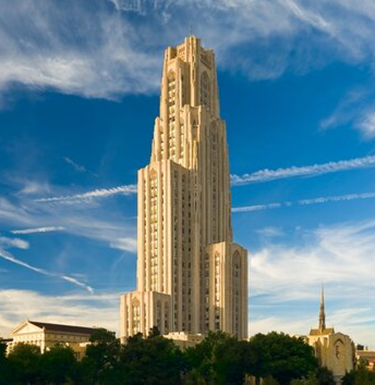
[[136, 316], [205, 90]]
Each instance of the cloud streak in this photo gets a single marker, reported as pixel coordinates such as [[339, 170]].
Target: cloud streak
[[75, 165], [91, 195], [100, 225], [267, 175], [305, 202], [14, 242], [39, 230], [9, 257]]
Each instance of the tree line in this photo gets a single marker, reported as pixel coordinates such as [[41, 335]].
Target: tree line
[[219, 359]]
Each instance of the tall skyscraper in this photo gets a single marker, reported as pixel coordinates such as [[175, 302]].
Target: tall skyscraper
[[191, 277]]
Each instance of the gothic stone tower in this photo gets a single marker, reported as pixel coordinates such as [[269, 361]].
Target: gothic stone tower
[[191, 277]]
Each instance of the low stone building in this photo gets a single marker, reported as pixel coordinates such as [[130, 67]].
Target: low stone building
[[364, 354], [45, 335], [184, 340], [335, 351]]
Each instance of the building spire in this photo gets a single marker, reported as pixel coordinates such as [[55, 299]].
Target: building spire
[[322, 315]]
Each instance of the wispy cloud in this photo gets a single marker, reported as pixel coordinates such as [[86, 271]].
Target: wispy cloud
[[75, 165], [246, 209], [9, 257], [304, 202], [331, 254], [39, 230], [105, 59], [367, 124], [356, 109], [267, 175], [97, 225], [14, 242], [100, 310], [270, 232], [30, 187], [125, 244], [91, 195], [136, 6], [337, 198]]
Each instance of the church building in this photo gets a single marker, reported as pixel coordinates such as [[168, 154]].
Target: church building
[[335, 351]]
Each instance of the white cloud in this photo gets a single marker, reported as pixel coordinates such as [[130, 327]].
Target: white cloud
[[290, 275], [9, 257], [101, 60], [337, 198], [14, 242], [75, 165], [13, 213], [91, 195], [367, 125], [34, 187], [100, 310], [39, 230], [270, 232], [78, 283], [98, 225], [113, 53], [267, 175], [305, 202], [246, 209], [125, 244], [136, 6], [357, 109]]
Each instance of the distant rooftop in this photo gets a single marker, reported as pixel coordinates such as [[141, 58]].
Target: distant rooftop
[[318, 332], [63, 328]]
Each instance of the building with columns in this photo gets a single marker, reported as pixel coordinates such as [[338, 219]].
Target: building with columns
[[191, 277], [46, 335], [333, 350]]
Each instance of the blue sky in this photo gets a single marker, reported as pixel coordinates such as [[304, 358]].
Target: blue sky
[[79, 87]]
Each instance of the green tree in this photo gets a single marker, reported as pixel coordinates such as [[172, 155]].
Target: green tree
[[4, 365], [269, 381], [359, 376], [151, 360], [324, 376], [280, 356], [25, 361], [101, 360], [58, 365], [218, 359]]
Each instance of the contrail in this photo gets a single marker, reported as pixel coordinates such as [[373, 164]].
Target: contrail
[[90, 195], [75, 165], [9, 257], [39, 230], [294, 171], [304, 202], [256, 207]]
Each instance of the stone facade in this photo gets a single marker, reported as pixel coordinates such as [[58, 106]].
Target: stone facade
[[45, 335], [191, 277], [335, 351]]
